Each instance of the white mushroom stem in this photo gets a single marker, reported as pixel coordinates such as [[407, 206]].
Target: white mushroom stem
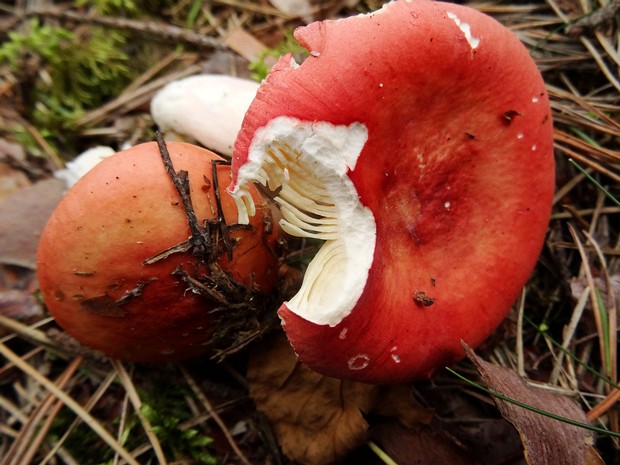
[[208, 108]]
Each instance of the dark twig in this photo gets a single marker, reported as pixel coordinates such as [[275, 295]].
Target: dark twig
[[200, 240], [155, 29], [240, 315], [604, 15], [220, 222]]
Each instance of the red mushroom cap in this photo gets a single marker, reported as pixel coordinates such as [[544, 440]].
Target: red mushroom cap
[[93, 255], [417, 142]]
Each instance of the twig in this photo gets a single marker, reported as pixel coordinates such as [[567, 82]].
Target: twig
[[154, 29], [201, 242], [129, 100], [603, 407], [595, 19]]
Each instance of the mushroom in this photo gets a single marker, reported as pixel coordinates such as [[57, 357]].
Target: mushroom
[[82, 164], [209, 108], [115, 266], [416, 142]]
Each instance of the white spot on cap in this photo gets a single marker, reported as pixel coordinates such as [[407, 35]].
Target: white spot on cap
[[314, 53], [343, 333], [380, 84], [534, 148], [520, 136], [359, 362], [394, 356], [465, 29], [534, 99], [447, 205]]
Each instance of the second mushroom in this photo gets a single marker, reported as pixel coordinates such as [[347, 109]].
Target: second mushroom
[[416, 142]]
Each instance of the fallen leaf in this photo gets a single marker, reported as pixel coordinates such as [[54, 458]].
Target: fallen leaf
[[546, 441], [23, 216], [11, 179], [397, 402], [317, 419], [425, 446], [245, 44], [19, 305]]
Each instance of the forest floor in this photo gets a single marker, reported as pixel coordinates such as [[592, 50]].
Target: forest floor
[[79, 74]]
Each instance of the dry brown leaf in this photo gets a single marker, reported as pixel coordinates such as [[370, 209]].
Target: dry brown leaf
[[317, 419], [19, 304], [11, 179], [425, 446], [546, 441], [245, 44], [398, 402], [23, 216]]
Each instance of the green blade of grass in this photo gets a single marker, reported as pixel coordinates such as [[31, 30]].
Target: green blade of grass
[[385, 458], [531, 408], [542, 330], [595, 182]]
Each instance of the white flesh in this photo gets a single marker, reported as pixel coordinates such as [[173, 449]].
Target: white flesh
[[307, 165]]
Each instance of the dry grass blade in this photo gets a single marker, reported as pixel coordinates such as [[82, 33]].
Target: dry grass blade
[[68, 401], [134, 398], [189, 379], [604, 406], [569, 333], [589, 149], [33, 433], [29, 333], [103, 386], [590, 113], [594, 302], [131, 100], [578, 56]]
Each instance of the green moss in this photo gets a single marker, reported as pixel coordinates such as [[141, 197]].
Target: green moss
[[75, 73], [110, 6], [260, 68], [178, 443]]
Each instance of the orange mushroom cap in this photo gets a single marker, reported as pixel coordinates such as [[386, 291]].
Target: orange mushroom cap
[[93, 259], [416, 141]]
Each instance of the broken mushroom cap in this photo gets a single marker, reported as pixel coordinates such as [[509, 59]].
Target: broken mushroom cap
[[115, 267], [416, 142], [208, 108]]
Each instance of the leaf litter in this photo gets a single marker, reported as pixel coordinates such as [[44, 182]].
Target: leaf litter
[[318, 419], [545, 440], [251, 395]]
